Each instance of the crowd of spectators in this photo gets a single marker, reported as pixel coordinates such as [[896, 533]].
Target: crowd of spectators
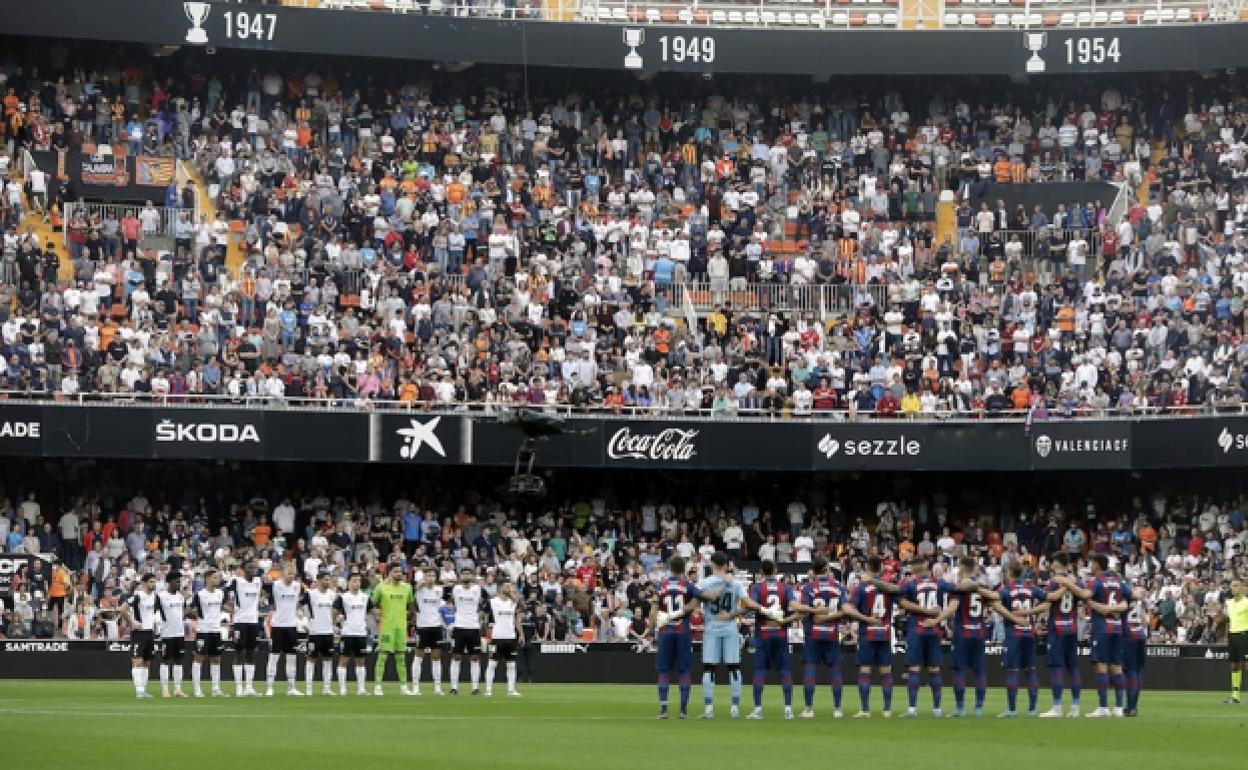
[[589, 561], [445, 239]]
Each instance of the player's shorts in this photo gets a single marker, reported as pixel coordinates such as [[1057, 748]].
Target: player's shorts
[[967, 654], [721, 648], [428, 639], [771, 654], [283, 641], [392, 640], [321, 646], [1020, 653], [923, 651], [505, 649], [142, 644], [877, 654], [245, 636], [1134, 653], [1238, 644], [466, 641], [1107, 649], [1063, 652], [208, 645], [822, 652], [172, 649], [675, 651], [354, 646]]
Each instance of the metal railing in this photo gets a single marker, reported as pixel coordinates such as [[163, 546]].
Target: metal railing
[[211, 401], [164, 226], [819, 14], [793, 299]]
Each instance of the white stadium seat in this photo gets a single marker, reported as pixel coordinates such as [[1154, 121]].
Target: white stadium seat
[[1100, 17], [1068, 19], [769, 18], [734, 17], [1183, 15], [840, 19], [1117, 17], [1084, 19], [951, 20], [719, 17], [619, 14], [801, 18], [968, 19], [751, 17], [784, 17], [653, 16], [685, 15], [1167, 16], [873, 19], [1150, 16], [890, 19]]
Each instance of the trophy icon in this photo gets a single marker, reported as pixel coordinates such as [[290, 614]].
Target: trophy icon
[[1035, 42], [632, 39], [196, 14]]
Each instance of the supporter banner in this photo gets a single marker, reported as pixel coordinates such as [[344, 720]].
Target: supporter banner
[[457, 438], [107, 173], [378, 34], [12, 564], [1080, 445], [423, 438]]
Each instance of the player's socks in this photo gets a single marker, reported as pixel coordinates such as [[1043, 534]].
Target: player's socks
[[309, 675], [177, 677], [454, 674], [1075, 679], [937, 685], [342, 679], [1011, 689], [1056, 677], [913, 682], [136, 675], [1102, 689], [685, 687], [292, 672], [511, 676], [400, 670], [959, 689], [361, 677], [238, 679], [249, 673], [490, 669], [1033, 690], [435, 667], [1237, 678], [215, 671], [379, 668], [164, 676], [786, 686], [734, 679], [864, 691], [196, 672], [838, 687], [1119, 687], [474, 672], [708, 688], [270, 675], [664, 683], [759, 679], [1132, 691], [417, 662], [886, 684], [981, 689], [327, 673], [808, 684]]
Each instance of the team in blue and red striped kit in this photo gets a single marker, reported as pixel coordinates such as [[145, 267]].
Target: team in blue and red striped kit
[[1134, 653], [1021, 600], [1109, 598], [824, 603], [771, 599], [1063, 641], [677, 597], [875, 642], [965, 608]]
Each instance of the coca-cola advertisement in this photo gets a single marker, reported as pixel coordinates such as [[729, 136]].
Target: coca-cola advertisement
[[654, 443]]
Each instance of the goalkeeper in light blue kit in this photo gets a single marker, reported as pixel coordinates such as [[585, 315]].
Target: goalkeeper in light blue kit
[[721, 641]]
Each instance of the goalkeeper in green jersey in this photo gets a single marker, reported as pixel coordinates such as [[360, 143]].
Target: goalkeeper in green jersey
[[392, 598]]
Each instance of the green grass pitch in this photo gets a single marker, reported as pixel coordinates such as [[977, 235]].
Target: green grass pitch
[[101, 725]]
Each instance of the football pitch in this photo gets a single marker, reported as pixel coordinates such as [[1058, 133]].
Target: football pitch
[[101, 725]]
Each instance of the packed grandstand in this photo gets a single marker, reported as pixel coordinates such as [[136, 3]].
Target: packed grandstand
[[345, 235]]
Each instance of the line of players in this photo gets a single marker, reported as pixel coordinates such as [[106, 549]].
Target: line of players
[[160, 616], [1117, 628]]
